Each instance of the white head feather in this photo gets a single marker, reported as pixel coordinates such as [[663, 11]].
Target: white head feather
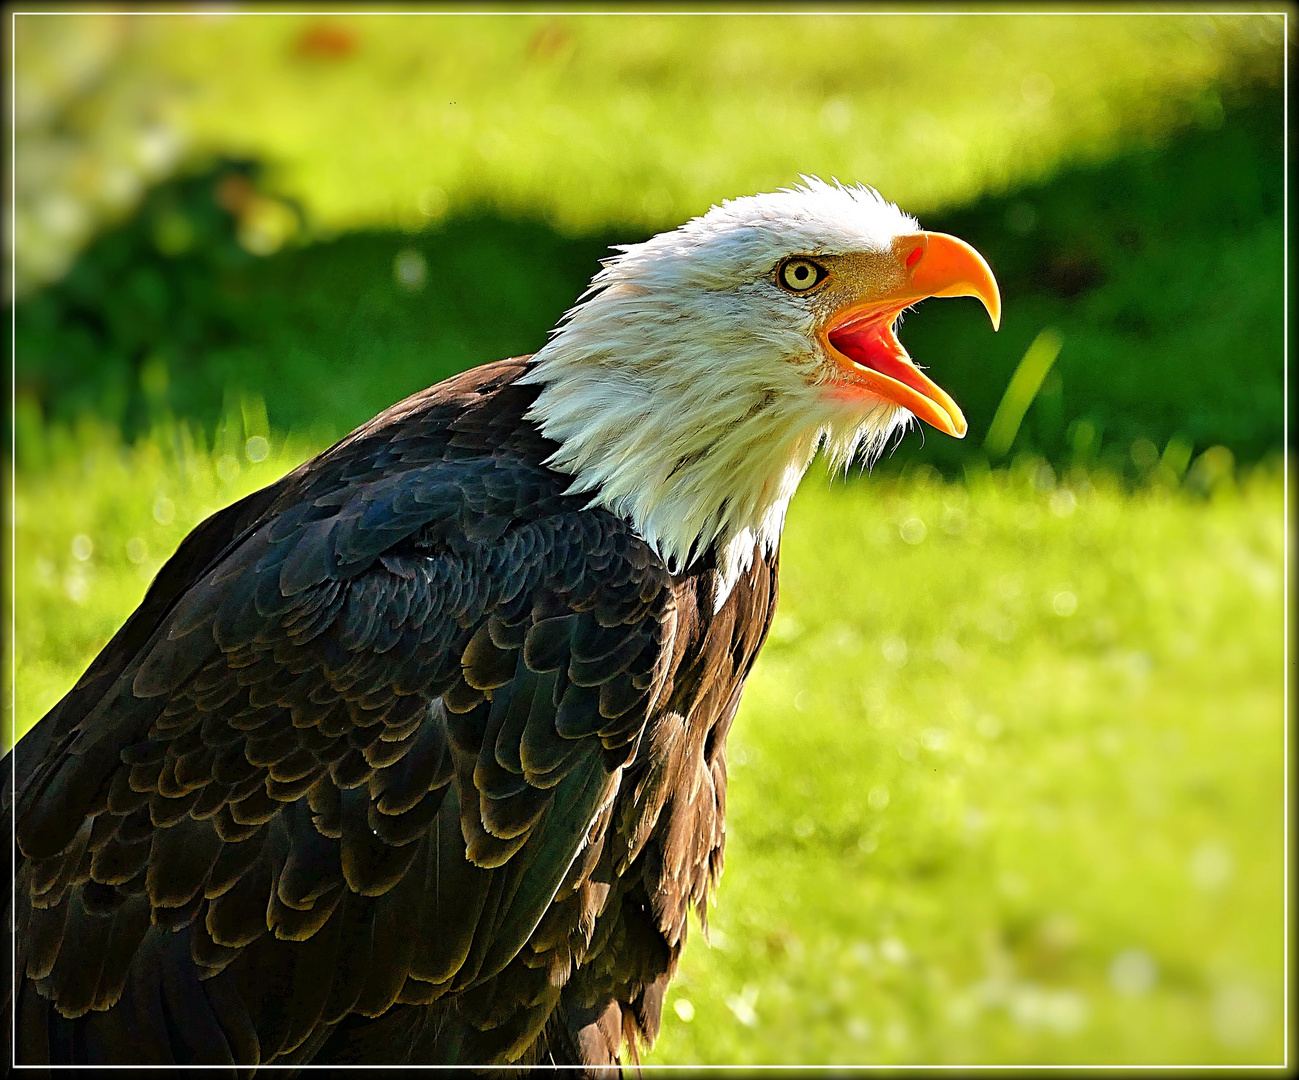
[[685, 389]]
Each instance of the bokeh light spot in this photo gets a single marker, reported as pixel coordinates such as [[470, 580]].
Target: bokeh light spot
[[1210, 866], [1133, 973], [859, 1029], [433, 203], [76, 587], [836, 116], [743, 1005], [410, 269], [1239, 1014], [934, 739], [1063, 502], [893, 950]]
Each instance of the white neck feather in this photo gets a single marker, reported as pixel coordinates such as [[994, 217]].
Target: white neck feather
[[693, 414]]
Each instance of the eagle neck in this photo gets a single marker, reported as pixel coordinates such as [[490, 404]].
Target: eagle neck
[[694, 473]]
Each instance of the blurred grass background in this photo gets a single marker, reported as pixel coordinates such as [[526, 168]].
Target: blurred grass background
[[1050, 675]]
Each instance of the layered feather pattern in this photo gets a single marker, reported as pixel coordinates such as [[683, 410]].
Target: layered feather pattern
[[410, 757]]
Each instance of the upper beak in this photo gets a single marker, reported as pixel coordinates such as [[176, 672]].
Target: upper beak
[[936, 265], [943, 265]]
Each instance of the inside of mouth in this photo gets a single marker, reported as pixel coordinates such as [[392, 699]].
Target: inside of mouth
[[873, 344]]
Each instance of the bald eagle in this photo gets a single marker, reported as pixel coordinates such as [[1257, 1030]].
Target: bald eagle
[[418, 755]]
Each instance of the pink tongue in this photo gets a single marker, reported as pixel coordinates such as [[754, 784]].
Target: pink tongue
[[873, 345]]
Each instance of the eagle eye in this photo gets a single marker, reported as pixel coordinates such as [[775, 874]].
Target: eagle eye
[[800, 275]]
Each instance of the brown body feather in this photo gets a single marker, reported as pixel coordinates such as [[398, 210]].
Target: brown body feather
[[408, 757]]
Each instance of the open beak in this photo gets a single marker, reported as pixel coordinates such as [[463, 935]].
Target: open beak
[[862, 339]]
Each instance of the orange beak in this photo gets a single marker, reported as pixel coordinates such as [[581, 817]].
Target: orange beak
[[862, 339]]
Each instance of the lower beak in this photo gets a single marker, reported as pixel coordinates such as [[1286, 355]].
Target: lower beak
[[862, 337]]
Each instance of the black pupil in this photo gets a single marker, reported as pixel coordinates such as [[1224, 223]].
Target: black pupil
[[801, 272]]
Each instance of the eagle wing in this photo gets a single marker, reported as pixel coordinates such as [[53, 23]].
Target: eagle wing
[[344, 755]]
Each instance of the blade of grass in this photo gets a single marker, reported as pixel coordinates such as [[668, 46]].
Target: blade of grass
[[1020, 391]]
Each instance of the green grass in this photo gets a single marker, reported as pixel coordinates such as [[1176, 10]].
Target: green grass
[[1006, 783], [1161, 269], [593, 120], [1137, 211], [325, 333]]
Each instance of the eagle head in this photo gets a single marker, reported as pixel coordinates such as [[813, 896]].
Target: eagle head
[[693, 383]]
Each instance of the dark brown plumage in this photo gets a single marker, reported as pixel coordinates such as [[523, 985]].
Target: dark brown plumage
[[418, 755], [407, 757]]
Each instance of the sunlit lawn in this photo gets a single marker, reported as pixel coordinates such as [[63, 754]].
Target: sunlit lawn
[[646, 119], [590, 120], [1006, 785]]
